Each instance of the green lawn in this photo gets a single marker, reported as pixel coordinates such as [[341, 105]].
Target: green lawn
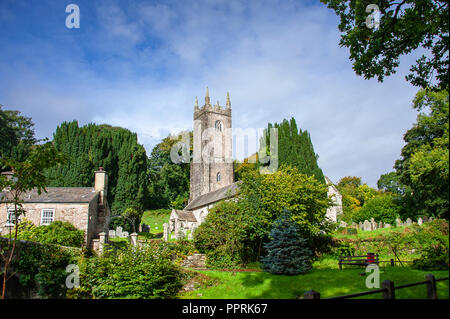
[[155, 219], [329, 282]]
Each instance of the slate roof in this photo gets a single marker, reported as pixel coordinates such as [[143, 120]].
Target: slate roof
[[185, 215], [215, 196], [60, 195]]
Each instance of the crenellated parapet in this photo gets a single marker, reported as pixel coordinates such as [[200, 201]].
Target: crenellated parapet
[[208, 107]]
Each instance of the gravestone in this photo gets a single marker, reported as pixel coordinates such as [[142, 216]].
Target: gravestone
[[430, 219], [112, 233], [166, 231], [124, 234], [367, 225], [119, 231], [408, 222], [387, 225], [343, 224], [398, 222], [361, 226], [425, 219], [373, 225], [133, 239], [380, 225], [354, 225], [420, 221]]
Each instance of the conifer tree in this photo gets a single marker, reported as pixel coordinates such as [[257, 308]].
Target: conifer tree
[[287, 252], [295, 148]]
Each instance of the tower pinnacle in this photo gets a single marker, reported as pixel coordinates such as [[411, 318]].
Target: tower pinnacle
[[228, 104], [207, 99]]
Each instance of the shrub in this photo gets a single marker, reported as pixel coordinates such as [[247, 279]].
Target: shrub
[[141, 272], [58, 232], [287, 252], [41, 267], [382, 208]]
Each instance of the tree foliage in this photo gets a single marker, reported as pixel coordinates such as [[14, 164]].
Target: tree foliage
[[424, 162], [294, 148], [16, 135], [113, 148], [404, 26], [169, 182], [287, 252]]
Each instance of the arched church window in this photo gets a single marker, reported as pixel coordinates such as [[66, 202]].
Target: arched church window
[[219, 126], [218, 177]]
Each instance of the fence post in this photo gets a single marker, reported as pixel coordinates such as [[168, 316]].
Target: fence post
[[340, 263], [431, 286], [392, 262], [389, 293], [311, 294]]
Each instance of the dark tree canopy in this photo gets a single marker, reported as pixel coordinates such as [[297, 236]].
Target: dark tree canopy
[[295, 148], [16, 134], [404, 26], [113, 148], [169, 182]]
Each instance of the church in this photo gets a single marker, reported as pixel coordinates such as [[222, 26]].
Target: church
[[212, 171]]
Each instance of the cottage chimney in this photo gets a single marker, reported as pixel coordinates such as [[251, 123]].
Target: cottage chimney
[[101, 183]]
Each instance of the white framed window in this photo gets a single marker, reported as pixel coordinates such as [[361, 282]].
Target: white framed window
[[47, 216], [11, 217]]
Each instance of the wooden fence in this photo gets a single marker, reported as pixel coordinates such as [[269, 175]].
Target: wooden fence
[[388, 289]]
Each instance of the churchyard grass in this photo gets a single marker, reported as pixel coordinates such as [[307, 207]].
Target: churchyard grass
[[329, 282], [364, 234], [155, 219]]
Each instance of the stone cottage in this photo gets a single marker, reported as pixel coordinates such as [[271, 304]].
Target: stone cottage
[[84, 207]]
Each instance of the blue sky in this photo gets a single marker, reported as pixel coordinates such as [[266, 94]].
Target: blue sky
[[140, 65]]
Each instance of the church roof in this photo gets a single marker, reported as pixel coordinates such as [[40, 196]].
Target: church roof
[[215, 196], [59, 195], [185, 215]]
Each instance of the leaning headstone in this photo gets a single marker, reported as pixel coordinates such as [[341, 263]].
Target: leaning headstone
[[125, 234], [420, 221], [133, 239], [398, 222], [166, 231], [387, 225], [408, 222], [119, 231], [112, 233], [367, 225]]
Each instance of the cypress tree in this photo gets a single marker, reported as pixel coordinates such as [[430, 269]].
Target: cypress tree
[[113, 148], [295, 148]]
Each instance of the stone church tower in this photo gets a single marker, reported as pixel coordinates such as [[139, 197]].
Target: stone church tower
[[212, 163]]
